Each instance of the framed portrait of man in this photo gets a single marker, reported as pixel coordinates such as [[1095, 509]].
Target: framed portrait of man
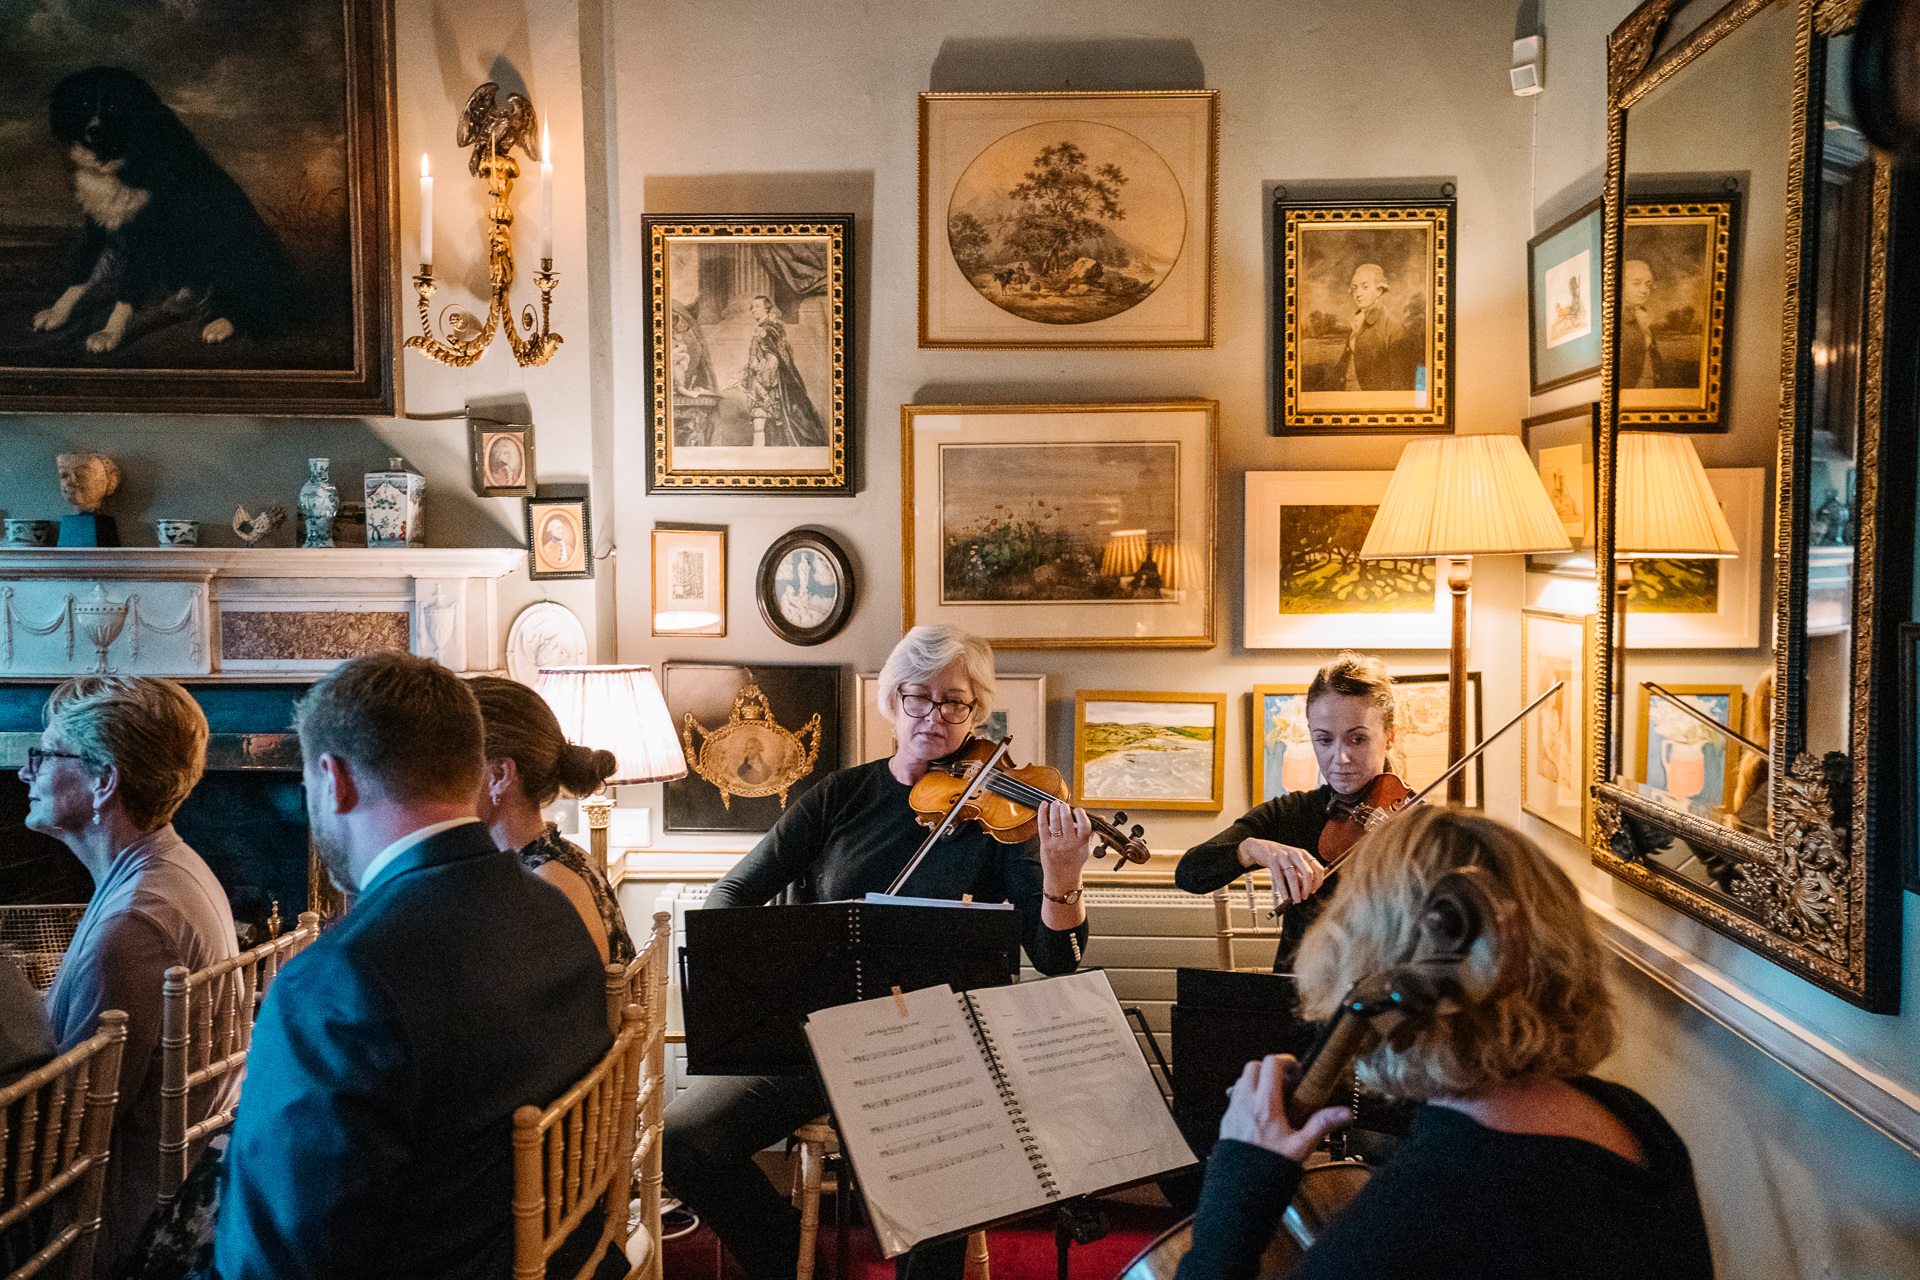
[[559, 537], [1363, 324], [197, 214], [749, 324], [1676, 292], [502, 454]]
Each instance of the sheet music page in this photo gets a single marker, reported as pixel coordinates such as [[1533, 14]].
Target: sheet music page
[[921, 1116], [1086, 1093]]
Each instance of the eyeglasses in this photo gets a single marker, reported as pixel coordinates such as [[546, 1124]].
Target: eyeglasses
[[37, 757], [916, 706]]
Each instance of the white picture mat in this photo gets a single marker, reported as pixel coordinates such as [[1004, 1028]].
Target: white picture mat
[[1022, 697], [1266, 628], [1736, 624], [1552, 644], [670, 615]]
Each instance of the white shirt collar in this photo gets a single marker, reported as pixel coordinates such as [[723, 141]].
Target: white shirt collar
[[403, 844]]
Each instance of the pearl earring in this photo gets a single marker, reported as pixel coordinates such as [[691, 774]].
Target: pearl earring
[[96, 815]]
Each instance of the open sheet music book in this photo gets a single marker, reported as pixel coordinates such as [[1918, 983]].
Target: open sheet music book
[[961, 1109]]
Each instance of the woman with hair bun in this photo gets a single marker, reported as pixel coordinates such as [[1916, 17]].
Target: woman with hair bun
[[529, 763]]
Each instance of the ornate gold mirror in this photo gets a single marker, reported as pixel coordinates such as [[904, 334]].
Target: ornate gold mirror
[[1746, 674]]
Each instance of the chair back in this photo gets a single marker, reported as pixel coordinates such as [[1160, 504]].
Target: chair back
[[578, 1153], [643, 982], [206, 1030], [1224, 931], [54, 1127]]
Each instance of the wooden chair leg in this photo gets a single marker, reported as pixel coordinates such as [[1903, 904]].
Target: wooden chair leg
[[811, 1152], [976, 1257]]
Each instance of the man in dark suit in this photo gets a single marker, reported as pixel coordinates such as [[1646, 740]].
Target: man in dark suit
[[374, 1136]]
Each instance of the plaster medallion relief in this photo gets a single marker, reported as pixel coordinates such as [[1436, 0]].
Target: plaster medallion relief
[[544, 635]]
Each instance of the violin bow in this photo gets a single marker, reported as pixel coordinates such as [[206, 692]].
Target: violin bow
[[978, 781]]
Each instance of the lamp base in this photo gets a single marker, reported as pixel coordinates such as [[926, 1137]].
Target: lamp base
[[1459, 582]]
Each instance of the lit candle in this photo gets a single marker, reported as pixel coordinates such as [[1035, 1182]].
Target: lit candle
[[426, 213], [546, 195]]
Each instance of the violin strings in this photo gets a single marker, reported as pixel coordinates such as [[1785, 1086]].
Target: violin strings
[[1014, 789]]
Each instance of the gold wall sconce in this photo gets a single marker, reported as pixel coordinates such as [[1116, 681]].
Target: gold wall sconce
[[492, 130]]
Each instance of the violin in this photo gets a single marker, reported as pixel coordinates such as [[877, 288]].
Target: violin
[[1379, 800], [1007, 803]]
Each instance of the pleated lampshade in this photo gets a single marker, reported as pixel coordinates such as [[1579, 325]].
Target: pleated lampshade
[[617, 709], [1464, 496], [1663, 504]]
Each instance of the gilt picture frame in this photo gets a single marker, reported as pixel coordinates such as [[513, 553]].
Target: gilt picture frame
[[1553, 740], [689, 580], [1677, 282], [757, 738], [1279, 747], [748, 338], [1061, 526], [1685, 763], [1068, 220], [1362, 325], [1563, 299], [295, 316], [1149, 750]]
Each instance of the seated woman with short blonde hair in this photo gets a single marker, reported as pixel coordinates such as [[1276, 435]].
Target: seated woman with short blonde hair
[[1520, 1164]]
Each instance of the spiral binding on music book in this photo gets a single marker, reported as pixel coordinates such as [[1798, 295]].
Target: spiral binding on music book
[[1015, 1112], [859, 966]]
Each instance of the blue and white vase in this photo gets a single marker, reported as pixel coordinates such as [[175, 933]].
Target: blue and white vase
[[394, 499], [319, 504]]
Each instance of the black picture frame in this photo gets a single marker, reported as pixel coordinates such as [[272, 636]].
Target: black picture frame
[[701, 699], [735, 359], [788, 618], [1577, 424], [1320, 248], [1909, 781], [553, 524], [494, 446], [1556, 359], [307, 144]]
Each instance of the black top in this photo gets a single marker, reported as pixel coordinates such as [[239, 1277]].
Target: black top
[[1460, 1199], [551, 847], [850, 836], [1294, 818]]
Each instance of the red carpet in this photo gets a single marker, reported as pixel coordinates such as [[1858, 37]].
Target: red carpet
[[1022, 1251]]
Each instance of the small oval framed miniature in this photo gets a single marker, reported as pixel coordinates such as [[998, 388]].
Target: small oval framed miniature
[[805, 587]]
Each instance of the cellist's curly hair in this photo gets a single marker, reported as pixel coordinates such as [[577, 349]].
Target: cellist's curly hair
[[1555, 1017], [1355, 675]]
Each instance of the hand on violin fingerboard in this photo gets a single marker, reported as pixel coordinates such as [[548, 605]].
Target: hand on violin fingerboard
[[1296, 873], [1066, 842]]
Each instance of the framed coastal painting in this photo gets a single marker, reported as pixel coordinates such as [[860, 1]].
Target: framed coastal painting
[[1068, 219], [805, 587], [1553, 740], [282, 160], [1306, 585], [756, 739], [1690, 763], [1061, 526], [689, 579], [1563, 297], [1676, 292], [1420, 718], [1363, 317], [1705, 604], [1561, 445], [1280, 749], [1019, 710], [559, 537], [1136, 750], [749, 346], [502, 456]]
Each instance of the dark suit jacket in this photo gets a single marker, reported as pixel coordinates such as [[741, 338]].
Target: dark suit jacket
[[374, 1135]]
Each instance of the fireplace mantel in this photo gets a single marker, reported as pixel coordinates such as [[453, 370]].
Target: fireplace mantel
[[245, 612]]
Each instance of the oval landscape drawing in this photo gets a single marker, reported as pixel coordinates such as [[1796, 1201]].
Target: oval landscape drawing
[[1066, 222]]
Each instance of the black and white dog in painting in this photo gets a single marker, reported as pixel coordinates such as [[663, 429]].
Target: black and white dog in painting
[[165, 224]]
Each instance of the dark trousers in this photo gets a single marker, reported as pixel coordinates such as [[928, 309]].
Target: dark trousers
[[712, 1133]]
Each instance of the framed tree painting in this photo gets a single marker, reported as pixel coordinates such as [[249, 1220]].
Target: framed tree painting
[[1563, 294], [1363, 317], [1705, 604], [749, 342], [756, 740], [210, 132], [1061, 526], [1676, 292], [1553, 740], [1068, 219], [1306, 585]]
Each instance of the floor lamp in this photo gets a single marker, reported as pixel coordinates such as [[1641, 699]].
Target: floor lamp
[[1453, 498], [1663, 508], [617, 709]]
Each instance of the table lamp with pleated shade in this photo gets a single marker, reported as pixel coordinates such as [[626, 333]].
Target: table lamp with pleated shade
[[617, 709], [1454, 497]]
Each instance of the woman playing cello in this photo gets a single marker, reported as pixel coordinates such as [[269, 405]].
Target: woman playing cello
[[1350, 716]]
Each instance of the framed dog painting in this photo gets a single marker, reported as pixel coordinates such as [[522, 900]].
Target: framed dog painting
[[196, 220]]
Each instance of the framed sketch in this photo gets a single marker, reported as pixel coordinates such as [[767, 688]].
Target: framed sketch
[[1363, 317], [756, 739], [1061, 526], [689, 579], [1149, 750], [1688, 763], [1562, 445], [805, 587], [1019, 709], [559, 538], [502, 454], [1553, 740], [1420, 718], [1306, 586], [1676, 292], [285, 162], [1563, 299], [749, 337], [1280, 749], [1068, 219], [1705, 604]]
